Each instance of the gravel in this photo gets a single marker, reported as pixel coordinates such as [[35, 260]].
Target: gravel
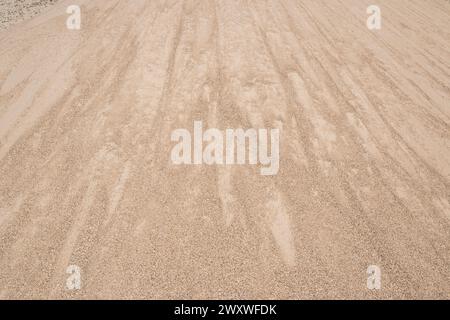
[[14, 11]]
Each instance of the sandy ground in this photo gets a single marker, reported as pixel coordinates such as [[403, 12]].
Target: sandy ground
[[14, 11], [86, 177]]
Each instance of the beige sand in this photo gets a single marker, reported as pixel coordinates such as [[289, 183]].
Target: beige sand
[[14, 11], [86, 177]]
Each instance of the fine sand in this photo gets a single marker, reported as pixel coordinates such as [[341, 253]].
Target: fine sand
[[86, 178]]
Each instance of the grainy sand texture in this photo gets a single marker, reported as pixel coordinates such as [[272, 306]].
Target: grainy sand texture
[[86, 176], [14, 11]]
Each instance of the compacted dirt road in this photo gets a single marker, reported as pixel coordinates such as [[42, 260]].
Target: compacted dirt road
[[86, 178]]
